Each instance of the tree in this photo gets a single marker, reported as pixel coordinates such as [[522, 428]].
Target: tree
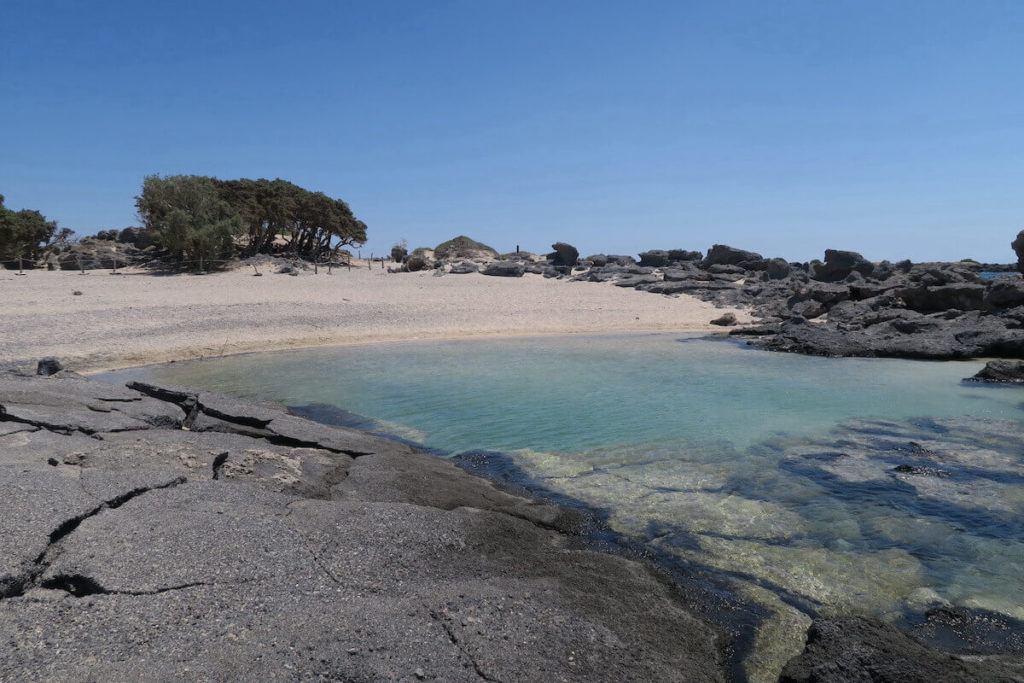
[[186, 215], [274, 215], [308, 222], [24, 233]]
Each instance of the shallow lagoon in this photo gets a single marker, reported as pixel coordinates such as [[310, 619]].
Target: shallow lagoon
[[808, 485]]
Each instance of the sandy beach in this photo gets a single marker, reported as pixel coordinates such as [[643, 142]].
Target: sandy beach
[[100, 321]]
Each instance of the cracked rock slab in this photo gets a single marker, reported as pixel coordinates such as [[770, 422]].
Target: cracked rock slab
[[295, 551]]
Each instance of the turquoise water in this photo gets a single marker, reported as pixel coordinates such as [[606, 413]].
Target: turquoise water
[[808, 485]]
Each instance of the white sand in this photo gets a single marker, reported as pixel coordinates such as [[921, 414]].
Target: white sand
[[137, 318]]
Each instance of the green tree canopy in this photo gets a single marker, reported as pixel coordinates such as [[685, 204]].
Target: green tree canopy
[[186, 216], [267, 211], [24, 233]]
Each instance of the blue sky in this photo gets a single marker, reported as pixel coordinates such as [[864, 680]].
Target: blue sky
[[891, 128]]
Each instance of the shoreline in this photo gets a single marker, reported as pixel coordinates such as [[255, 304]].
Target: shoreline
[[92, 369], [136, 319]]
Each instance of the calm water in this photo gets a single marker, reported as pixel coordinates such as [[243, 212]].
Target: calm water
[[809, 485]]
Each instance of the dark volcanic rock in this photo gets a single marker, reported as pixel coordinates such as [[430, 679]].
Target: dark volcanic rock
[[839, 264], [190, 555], [681, 274], [564, 254], [464, 268], [777, 268], [655, 258], [598, 260], [631, 280], [684, 255], [1006, 371], [1005, 293], [504, 269], [1018, 248], [861, 650], [961, 296], [48, 366], [726, 320], [722, 254], [416, 262]]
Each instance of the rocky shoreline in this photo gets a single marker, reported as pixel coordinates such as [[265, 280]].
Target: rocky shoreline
[[175, 533], [844, 305]]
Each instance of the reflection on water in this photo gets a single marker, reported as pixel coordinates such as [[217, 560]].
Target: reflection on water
[[814, 485]]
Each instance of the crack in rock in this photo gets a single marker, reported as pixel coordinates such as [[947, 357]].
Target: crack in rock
[[80, 586], [443, 621], [66, 430], [42, 562], [190, 403]]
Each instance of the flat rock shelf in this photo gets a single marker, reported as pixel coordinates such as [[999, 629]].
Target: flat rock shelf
[[169, 534]]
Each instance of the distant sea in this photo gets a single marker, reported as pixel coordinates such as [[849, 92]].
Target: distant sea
[[808, 485]]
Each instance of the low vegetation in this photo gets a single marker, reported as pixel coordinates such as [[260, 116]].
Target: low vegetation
[[26, 234]]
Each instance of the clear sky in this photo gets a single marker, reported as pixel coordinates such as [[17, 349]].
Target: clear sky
[[890, 127]]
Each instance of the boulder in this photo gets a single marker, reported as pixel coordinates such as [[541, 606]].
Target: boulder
[[684, 255], [963, 296], [464, 268], [1018, 248], [655, 258], [727, 320], [723, 254], [504, 269], [777, 268], [839, 264], [48, 366], [853, 649], [1005, 293], [416, 262], [1002, 371], [564, 254], [598, 260]]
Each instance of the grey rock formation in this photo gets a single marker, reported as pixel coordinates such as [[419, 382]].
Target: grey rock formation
[[854, 650], [416, 262], [48, 366], [724, 254], [1000, 371], [504, 269], [684, 255], [725, 320], [1018, 248], [564, 254], [840, 264], [183, 535], [655, 258]]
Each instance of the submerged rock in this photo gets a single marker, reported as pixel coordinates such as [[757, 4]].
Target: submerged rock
[[856, 650]]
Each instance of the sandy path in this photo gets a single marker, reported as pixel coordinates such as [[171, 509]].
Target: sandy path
[[138, 318]]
